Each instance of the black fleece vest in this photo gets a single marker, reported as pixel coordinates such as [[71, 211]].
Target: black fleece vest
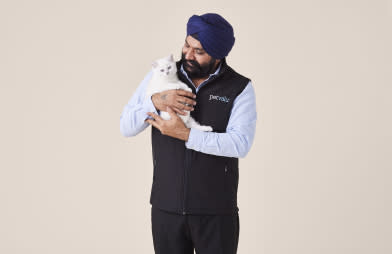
[[189, 182]]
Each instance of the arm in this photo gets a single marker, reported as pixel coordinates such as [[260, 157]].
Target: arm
[[132, 120], [240, 131], [135, 112]]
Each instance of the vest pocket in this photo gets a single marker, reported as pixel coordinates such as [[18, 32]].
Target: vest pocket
[[231, 184]]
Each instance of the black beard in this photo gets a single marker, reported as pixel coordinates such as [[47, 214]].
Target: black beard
[[196, 70]]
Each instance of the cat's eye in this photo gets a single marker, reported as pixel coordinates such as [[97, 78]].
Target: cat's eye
[[169, 67], [162, 70]]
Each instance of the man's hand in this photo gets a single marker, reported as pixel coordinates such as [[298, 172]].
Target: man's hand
[[176, 99], [174, 127]]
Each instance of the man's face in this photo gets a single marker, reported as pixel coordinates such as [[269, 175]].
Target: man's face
[[197, 62]]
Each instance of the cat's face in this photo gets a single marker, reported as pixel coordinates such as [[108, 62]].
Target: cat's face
[[165, 67]]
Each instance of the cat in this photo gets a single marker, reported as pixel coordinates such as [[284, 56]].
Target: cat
[[164, 78]]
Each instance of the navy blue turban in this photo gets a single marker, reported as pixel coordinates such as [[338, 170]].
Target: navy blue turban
[[215, 34]]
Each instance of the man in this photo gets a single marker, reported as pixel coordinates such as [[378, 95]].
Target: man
[[195, 177]]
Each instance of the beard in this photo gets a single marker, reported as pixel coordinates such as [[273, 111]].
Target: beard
[[195, 70]]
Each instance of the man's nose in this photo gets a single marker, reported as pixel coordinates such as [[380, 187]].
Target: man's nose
[[189, 55]]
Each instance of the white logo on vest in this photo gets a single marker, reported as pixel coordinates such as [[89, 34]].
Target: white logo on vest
[[219, 98]]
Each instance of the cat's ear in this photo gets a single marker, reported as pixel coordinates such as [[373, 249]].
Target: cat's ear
[[154, 64], [170, 58]]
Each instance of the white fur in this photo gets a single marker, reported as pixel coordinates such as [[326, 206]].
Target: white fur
[[165, 78]]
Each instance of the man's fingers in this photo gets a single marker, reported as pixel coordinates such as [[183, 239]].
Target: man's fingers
[[186, 100], [170, 111], [179, 111], [155, 116], [186, 93], [153, 123], [182, 106]]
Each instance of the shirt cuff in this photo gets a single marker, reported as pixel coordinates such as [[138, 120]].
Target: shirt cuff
[[148, 106], [195, 139]]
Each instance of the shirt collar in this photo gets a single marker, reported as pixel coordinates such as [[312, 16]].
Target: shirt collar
[[209, 77]]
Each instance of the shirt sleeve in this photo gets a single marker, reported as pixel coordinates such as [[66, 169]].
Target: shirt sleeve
[[240, 131], [135, 112]]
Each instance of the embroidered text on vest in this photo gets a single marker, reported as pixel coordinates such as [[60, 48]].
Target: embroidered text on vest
[[219, 98]]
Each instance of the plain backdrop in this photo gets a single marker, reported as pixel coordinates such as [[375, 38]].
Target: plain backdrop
[[316, 181]]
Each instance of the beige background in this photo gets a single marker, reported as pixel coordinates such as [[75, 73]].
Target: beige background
[[318, 177]]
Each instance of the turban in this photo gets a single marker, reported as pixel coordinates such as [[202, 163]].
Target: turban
[[215, 34]]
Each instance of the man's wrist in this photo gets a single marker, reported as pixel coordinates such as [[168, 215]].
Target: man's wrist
[[153, 101], [185, 134]]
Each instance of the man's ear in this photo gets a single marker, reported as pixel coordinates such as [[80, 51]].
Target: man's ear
[[217, 62]]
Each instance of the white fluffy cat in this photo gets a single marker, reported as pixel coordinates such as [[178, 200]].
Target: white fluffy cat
[[165, 78]]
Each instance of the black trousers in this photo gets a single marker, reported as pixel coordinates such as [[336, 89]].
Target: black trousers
[[206, 234]]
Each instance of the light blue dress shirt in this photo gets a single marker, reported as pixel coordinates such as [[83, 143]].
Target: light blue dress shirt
[[235, 142]]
